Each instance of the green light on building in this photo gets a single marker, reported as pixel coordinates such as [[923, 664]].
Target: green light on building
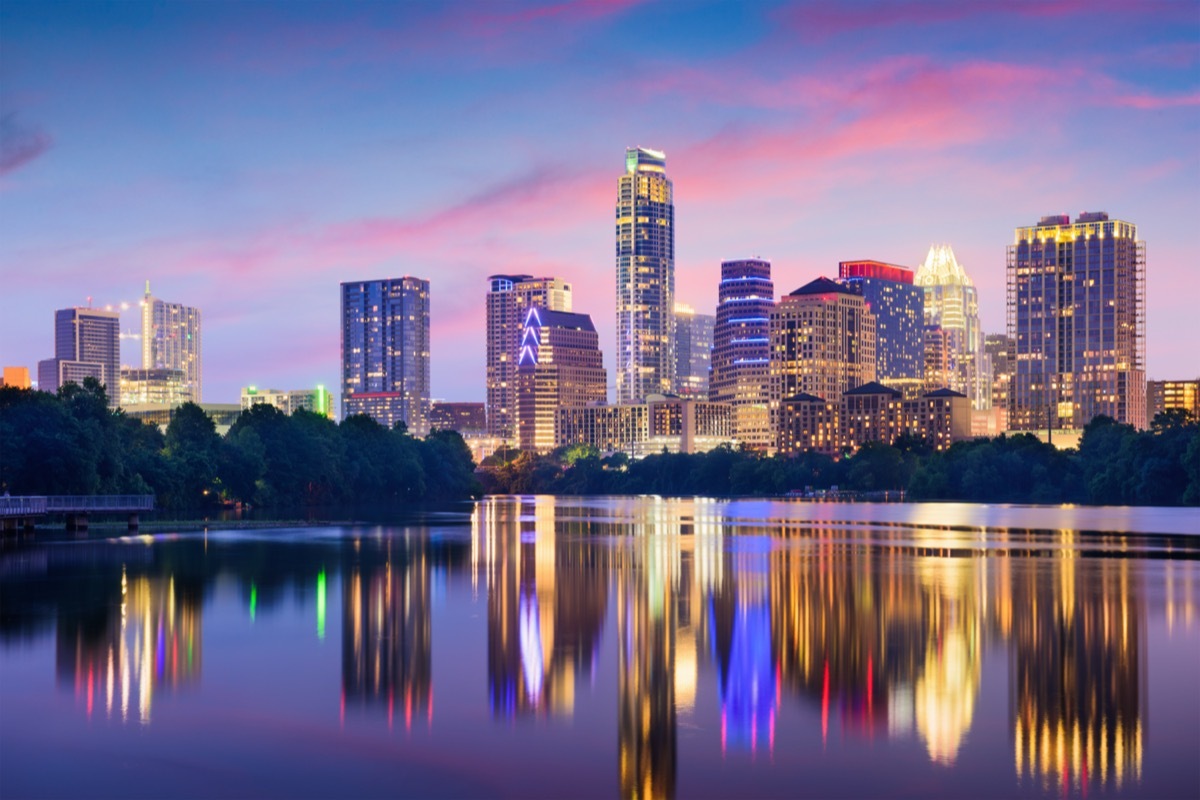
[[321, 604]]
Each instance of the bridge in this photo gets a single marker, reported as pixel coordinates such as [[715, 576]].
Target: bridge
[[20, 513]]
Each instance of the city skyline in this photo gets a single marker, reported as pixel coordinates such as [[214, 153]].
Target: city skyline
[[258, 174]]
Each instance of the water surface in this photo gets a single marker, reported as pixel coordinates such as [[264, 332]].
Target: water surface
[[635, 647]]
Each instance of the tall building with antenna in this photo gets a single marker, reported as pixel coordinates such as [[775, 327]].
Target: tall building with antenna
[[645, 228], [171, 340]]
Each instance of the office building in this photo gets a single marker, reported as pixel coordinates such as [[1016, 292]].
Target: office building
[[871, 413], [693, 351], [87, 344], [822, 343], [899, 309], [1000, 350], [508, 301], [316, 401], [171, 340], [164, 387], [645, 228], [469, 419], [952, 303], [559, 366], [1076, 312], [674, 424], [741, 351], [1169, 395], [17, 377], [385, 351]]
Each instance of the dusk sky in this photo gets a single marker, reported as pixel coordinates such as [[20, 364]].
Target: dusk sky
[[246, 157]]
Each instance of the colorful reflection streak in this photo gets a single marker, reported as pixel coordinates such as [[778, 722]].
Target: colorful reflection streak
[[122, 660]]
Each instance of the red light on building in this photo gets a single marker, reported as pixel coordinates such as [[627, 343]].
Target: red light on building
[[875, 269]]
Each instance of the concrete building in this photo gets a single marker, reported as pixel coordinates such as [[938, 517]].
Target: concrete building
[[645, 231], [899, 309], [87, 344], [509, 299], [741, 374], [560, 366], [385, 351], [676, 424], [822, 343], [171, 340], [693, 351], [1076, 313]]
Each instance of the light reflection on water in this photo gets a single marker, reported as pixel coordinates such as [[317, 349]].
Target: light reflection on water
[[669, 647]]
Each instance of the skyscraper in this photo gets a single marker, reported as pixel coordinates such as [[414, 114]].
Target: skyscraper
[[1000, 349], [693, 351], [171, 340], [1076, 312], [822, 343], [741, 348], [87, 344], [385, 351], [645, 356], [952, 303], [508, 301], [560, 366], [899, 309]]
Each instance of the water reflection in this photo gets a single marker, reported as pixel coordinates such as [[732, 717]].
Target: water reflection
[[761, 639]]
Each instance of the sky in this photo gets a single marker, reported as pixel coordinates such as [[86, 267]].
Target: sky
[[246, 157]]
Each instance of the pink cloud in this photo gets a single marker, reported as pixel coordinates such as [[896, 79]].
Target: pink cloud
[[20, 143], [1149, 102]]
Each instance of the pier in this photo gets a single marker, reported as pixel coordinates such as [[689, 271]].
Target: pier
[[22, 513]]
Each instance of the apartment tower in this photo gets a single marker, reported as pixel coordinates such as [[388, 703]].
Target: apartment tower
[[87, 344], [645, 228], [171, 341], [741, 348]]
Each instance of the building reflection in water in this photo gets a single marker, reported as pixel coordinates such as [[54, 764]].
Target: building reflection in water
[[547, 594], [120, 661], [1078, 682], [386, 638]]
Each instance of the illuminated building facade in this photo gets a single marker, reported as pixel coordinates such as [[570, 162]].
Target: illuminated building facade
[[171, 340], [318, 400], [466, 418], [645, 229], [952, 303], [559, 366], [385, 351], [693, 350], [1000, 349], [871, 413], [17, 377], [676, 424], [741, 351], [1167, 395], [822, 343], [1076, 312], [87, 344], [899, 309], [509, 299], [162, 387]]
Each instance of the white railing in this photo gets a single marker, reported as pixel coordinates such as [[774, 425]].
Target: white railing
[[75, 504]]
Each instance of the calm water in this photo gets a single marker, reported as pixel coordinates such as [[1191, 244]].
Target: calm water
[[613, 647]]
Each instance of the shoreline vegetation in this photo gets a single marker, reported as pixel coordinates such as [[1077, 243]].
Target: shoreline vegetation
[[72, 443]]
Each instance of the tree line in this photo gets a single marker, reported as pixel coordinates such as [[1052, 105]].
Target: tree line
[[73, 443], [1115, 464]]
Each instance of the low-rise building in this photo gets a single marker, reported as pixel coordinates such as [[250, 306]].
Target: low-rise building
[[674, 424], [318, 400]]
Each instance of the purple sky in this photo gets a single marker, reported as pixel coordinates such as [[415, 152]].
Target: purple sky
[[246, 157]]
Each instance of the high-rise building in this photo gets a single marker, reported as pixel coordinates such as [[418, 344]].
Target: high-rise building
[[560, 366], [693, 351], [822, 343], [508, 301], [87, 344], [1076, 312], [952, 303], [645, 355], [899, 309], [385, 351], [741, 350], [1168, 395], [1000, 349], [465, 418], [171, 340]]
